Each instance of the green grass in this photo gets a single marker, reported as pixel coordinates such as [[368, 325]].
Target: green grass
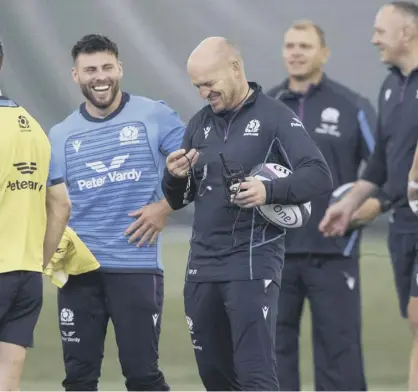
[[386, 338]]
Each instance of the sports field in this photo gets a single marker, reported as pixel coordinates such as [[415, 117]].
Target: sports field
[[386, 336]]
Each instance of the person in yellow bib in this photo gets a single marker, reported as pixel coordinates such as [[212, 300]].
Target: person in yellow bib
[[34, 210]]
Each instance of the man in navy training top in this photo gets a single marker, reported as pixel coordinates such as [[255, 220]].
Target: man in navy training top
[[236, 257], [324, 270], [396, 36], [112, 152]]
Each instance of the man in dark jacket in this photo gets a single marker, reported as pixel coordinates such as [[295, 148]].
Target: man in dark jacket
[[236, 257], [324, 270], [396, 36]]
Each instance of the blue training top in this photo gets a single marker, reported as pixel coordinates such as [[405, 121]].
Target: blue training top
[[113, 166]]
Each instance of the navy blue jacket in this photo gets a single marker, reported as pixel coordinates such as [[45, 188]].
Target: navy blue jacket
[[342, 123], [229, 243], [396, 140]]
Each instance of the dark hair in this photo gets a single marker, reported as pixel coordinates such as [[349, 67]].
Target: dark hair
[[407, 7], [93, 43]]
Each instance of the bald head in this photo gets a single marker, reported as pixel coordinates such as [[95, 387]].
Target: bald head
[[216, 68], [214, 50]]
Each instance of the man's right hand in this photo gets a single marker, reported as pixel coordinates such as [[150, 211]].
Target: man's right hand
[[336, 219], [179, 163]]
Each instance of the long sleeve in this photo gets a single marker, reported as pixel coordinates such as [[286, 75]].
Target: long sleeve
[[375, 171], [311, 175], [367, 121], [179, 192]]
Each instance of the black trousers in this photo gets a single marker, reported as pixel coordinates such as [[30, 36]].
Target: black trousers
[[332, 286], [134, 303], [404, 256], [232, 327]]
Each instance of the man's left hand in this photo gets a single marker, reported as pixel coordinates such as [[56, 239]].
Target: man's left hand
[[252, 193], [150, 220]]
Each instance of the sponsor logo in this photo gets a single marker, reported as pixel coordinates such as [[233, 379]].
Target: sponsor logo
[[112, 175], [19, 185], [68, 337], [26, 167]]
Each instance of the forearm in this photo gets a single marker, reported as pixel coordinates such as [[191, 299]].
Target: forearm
[[309, 181], [176, 190], [358, 195], [56, 223]]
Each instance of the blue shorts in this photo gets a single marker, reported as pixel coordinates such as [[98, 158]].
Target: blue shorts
[[20, 305]]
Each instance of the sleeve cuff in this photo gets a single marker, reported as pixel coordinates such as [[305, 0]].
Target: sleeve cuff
[[276, 190], [173, 181], [55, 181], [383, 198]]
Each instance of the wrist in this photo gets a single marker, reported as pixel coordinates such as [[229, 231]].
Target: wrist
[[165, 206]]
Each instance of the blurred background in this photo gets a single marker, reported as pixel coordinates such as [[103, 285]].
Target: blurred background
[[155, 38]]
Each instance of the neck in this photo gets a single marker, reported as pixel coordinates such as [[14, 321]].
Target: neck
[[245, 92], [102, 113], [408, 63], [302, 86]]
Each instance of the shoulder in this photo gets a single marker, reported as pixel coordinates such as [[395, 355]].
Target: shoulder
[[274, 91], [348, 96], [199, 118], [273, 107], [62, 129], [151, 106], [18, 117]]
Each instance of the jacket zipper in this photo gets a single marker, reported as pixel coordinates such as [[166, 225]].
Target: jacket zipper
[[231, 120], [301, 108]]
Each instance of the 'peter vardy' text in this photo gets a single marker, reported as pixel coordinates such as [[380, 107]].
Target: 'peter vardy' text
[[116, 176]]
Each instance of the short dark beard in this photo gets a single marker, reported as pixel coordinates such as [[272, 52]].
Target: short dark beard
[[90, 97]]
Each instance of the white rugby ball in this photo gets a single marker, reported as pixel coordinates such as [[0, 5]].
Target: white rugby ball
[[289, 216]]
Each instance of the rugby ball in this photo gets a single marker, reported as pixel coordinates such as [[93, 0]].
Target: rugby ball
[[288, 216]]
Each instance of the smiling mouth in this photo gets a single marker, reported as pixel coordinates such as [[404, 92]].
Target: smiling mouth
[[214, 99], [102, 88], [297, 63]]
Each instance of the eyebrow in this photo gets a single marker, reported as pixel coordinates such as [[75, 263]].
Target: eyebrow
[[95, 66]]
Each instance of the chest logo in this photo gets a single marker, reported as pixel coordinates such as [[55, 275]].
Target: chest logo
[[129, 135], [206, 131], [329, 122], [388, 93], [252, 128], [76, 145]]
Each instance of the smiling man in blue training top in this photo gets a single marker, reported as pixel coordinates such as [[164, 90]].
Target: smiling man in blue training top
[[112, 152]]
